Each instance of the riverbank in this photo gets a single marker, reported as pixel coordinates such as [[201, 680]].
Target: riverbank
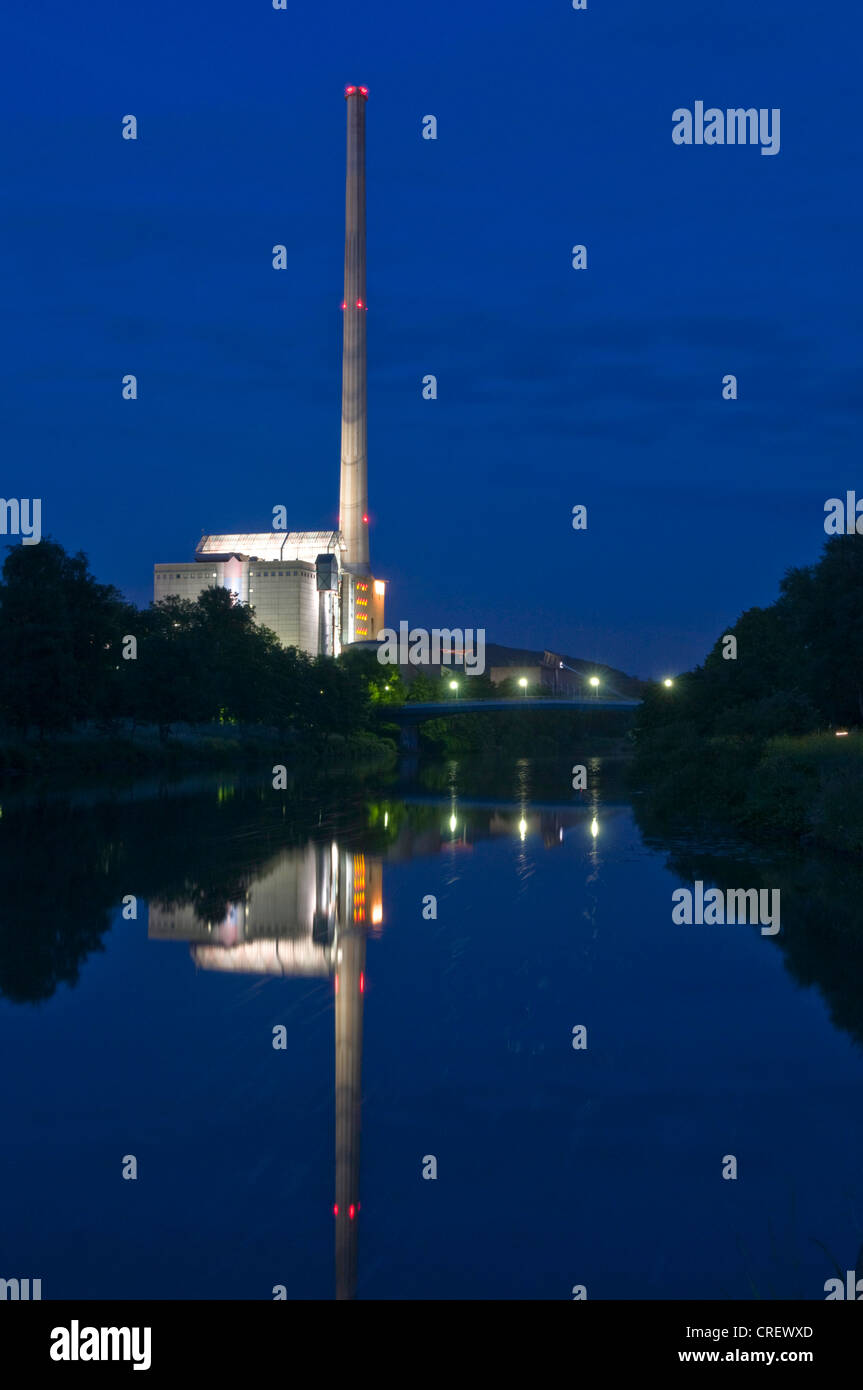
[[806, 789], [90, 752]]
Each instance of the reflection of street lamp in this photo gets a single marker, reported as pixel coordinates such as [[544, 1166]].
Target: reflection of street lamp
[[523, 684], [522, 827], [594, 827]]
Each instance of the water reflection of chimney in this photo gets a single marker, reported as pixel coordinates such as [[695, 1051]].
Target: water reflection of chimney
[[349, 999], [306, 915]]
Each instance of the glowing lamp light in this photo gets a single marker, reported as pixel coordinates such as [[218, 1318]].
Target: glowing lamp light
[[364, 91], [352, 1211], [380, 588], [841, 733], [349, 91], [377, 914], [359, 303], [366, 520], [594, 827], [452, 822], [594, 680], [337, 984], [522, 827], [335, 1208], [668, 682], [362, 982]]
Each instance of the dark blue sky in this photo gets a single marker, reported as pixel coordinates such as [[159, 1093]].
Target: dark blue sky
[[555, 386]]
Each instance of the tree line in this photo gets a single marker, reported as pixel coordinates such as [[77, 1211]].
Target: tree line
[[797, 664], [74, 650], [748, 738]]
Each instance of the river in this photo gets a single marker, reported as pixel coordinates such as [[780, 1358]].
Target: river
[[436, 1036]]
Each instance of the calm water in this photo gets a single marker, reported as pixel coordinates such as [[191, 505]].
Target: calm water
[[408, 1037]]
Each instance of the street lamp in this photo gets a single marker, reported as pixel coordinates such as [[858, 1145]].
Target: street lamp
[[668, 682], [523, 684], [453, 685]]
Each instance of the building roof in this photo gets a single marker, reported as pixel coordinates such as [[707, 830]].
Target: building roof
[[275, 956], [270, 545]]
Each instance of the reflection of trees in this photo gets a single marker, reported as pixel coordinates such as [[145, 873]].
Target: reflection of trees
[[58, 872], [822, 918]]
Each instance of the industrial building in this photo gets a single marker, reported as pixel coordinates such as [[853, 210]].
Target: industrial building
[[553, 673], [314, 589]]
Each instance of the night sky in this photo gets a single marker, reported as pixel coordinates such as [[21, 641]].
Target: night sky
[[556, 387]]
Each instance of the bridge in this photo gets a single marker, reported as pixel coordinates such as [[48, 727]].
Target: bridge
[[408, 716]]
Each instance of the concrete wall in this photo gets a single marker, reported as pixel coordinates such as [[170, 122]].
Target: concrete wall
[[285, 599], [184, 580]]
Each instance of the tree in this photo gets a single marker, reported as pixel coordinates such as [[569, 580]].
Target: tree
[[60, 638], [799, 662]]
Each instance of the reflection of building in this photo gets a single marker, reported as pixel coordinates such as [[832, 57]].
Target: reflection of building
[[287, 923], [314, 589], [307, 915]]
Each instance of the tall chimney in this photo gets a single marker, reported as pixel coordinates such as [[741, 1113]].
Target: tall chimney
[[353, 495]]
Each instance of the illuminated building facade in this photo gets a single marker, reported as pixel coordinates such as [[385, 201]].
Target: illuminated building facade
[[313, 589]]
